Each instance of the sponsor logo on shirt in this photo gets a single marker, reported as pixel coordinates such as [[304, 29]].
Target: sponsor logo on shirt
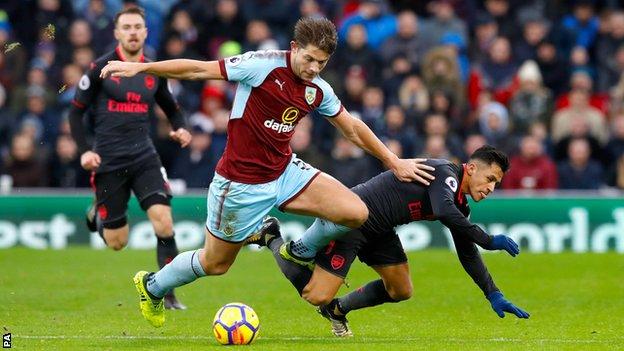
[[289, 117], [134, 104]]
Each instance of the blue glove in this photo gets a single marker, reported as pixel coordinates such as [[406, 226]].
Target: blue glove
[[503, 242], [500, 305]]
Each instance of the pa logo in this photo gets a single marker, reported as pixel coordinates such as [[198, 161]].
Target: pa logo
[[6, 341], [452, 183]]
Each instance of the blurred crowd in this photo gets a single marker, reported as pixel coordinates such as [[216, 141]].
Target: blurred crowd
[[541, 79]]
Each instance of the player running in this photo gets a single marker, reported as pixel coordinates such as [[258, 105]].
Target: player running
[[123, 157], [392, 203], [258, 169]]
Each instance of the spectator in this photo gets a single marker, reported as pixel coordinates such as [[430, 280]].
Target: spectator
[[356, 52], [373, 107], [65, 170], [553, 69], [579, 128], [615, 147], [379, 26], [581, 27], [442, 22], [532, 102], [437, 125], [580, 171], [472, 143], [259, 37], [196, 163], [407, 41], [534, 31], [500, 10], [24, 163], [494, 125], [7, 121], [413, 98], [608, 44], [579, 109], [496, 74], [302, 145], [486, 31], [349, 165], [227, 24], [440, 71], [531, 169], [396, 129]]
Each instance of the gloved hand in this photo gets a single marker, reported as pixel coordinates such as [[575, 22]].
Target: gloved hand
[[500, 305], [503, 242]]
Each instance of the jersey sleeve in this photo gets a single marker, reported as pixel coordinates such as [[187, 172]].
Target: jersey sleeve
[[165, 100], [442, 192], [473, 264], [88, 87], [330, 105], [252, 67]]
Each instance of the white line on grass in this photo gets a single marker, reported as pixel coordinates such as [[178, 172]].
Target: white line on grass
[[298, 338]]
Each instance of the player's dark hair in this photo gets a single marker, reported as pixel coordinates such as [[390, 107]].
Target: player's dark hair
[[134, 10], [319, 32], [489, 154]]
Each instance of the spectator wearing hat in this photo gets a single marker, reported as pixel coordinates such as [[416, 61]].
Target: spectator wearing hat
[[495, 126], [532, 102]]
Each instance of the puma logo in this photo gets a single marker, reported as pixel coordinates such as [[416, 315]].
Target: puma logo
[[281, 85]]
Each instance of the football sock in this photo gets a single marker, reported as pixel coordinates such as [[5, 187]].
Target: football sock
[[184, 269], [319, 234], [371, 294], [299, 276], [166, 250]]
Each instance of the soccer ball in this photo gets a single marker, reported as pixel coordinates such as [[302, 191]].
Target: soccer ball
[[235, 324]]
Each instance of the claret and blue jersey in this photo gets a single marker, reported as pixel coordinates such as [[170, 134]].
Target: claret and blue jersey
[[270, 100]]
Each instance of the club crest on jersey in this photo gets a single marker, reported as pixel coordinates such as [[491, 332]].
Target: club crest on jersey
[[452, 183], [310, 95], [149, 82]]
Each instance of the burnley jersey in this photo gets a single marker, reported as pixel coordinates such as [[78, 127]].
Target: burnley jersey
[[270, 100], [121, 109]]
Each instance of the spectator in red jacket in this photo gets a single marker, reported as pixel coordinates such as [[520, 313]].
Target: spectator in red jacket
[[531, 169]]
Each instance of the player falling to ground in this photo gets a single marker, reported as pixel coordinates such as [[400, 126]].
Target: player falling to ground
[[392, 203], [258, 169], [123, 157]]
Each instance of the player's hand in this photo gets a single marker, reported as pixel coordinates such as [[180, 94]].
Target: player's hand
[[412, 169], [503, 242], [121, 69], [500, 305], [182, 136], [90, 160]]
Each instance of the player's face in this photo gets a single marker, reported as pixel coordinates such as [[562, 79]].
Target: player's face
[[309, 61], [483, 179], [131, 32]]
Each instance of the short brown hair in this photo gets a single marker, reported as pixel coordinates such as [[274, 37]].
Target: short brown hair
[[134, 10], [319, 32]]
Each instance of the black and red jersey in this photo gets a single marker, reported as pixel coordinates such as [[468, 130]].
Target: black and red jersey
[[121, 111]]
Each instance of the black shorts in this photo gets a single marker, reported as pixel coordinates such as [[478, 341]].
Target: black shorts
[[378, 249], [147, 179]]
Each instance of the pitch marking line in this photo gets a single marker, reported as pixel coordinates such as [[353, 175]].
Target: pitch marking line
[[297, 338]]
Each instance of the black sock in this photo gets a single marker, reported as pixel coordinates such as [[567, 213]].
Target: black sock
[[299, 276], [371, 294], [166, 250]]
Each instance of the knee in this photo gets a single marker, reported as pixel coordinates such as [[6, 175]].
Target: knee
[[317, 298], [116, 244], [401, 293], [216, 268], [358, 214]]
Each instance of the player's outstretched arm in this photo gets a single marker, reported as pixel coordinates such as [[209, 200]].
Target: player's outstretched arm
[[473, 264], [356, 131], [179, 69]]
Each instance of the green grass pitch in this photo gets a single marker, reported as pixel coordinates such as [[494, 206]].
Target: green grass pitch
[[81, 299]]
